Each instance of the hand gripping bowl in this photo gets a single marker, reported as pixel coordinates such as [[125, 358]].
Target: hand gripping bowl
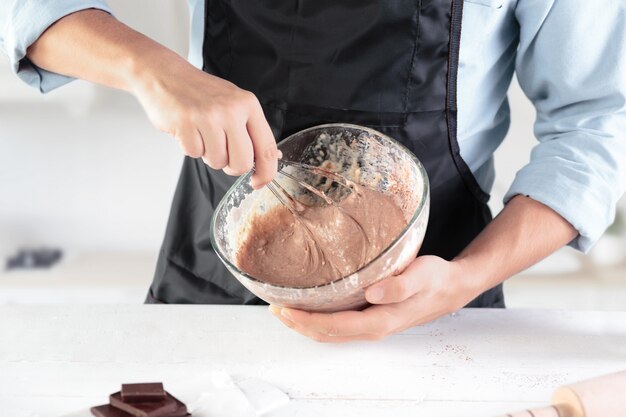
[[362, 155]]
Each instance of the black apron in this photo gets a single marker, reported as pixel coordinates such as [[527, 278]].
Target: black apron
[[387, 64]]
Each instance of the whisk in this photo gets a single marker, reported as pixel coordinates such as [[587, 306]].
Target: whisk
[[296, 207], [292, 203]]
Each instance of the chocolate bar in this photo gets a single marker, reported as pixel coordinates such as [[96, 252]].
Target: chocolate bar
[[142, 392], [168, 407], [141, 400]]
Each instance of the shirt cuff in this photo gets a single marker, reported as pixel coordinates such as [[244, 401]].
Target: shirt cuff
[[580, 197], [26, 21]]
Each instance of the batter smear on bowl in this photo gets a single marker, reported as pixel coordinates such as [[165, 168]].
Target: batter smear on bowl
[[323, 243]]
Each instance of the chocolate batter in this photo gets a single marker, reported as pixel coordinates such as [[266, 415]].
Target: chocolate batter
[[321, 244]]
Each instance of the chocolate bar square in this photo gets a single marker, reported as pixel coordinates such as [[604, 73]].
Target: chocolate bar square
[[107, 410], [169, 407], [143, 392]]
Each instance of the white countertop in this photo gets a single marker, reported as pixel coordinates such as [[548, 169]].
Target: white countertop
[[58, 359]]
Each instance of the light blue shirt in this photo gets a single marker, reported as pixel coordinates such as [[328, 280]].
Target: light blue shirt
[[569, 57]]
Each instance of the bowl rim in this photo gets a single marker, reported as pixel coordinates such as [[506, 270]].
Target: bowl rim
[[243, 178]]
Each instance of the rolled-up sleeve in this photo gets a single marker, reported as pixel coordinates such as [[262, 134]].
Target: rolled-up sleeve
[[21, 24], [571, 64]]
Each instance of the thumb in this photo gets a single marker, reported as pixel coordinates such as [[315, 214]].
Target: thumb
[[398, 288]]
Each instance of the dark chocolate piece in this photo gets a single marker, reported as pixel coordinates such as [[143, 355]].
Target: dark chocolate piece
[[152, 391], [108, 410], [141, 400], [169, 407]]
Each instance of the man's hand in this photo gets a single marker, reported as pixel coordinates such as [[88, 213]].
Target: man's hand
[[429, 288], [524, 232], [212, 118]]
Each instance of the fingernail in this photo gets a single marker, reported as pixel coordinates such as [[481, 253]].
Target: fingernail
[[285, 313], [376, 294], [274, 310], [279, 153]]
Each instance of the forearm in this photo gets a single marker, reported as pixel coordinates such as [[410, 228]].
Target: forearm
[[211, 118], [94, 46], [525, 232]]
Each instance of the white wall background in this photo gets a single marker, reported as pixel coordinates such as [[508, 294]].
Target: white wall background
[[82, 168]]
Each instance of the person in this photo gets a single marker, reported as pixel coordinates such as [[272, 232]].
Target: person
[[432, 74]]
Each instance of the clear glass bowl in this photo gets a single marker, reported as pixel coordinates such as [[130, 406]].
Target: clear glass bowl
[[361, 154]]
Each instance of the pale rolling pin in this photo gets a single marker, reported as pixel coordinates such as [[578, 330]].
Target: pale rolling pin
[[604, 396]]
